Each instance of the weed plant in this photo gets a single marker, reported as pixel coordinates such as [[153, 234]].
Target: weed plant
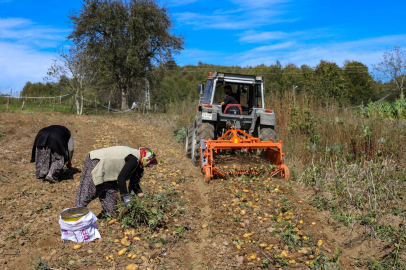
[[354, 160]]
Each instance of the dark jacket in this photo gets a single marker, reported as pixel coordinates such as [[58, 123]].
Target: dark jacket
[[231, 99], [55, 138]]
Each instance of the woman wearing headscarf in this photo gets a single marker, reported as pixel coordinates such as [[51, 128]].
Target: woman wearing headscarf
[[106, 171], [52, 148]]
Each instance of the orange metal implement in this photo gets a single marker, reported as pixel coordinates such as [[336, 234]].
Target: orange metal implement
[[238, 139]]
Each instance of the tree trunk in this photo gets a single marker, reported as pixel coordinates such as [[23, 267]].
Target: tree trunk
[[77, 105], [124, 99], [81, 103]]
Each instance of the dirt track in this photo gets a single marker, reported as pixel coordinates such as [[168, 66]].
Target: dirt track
[[30, 208]]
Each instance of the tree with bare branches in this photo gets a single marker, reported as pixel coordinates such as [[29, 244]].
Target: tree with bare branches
[[392, 68], [76, 67]]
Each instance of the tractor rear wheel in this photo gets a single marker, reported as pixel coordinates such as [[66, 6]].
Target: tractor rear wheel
[[202, 130], [188, 142], [266, 134]]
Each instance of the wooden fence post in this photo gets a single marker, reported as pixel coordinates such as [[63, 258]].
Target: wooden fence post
[[60, 100], [40, 103], [53, 106], [108, 110], [155, 108], [22, 107], [8, 99]]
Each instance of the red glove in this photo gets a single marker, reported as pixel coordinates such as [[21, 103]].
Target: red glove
[[69, 164]]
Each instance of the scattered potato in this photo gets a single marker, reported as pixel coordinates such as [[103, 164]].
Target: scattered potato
[[133, 256], [285, 253], [137, 238], [320, 242], [313, 223], [116, 240], [122, 251], [132, 267], [77, 246], [111, 222]]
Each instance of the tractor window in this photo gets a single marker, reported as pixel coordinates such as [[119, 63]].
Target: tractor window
[[243, 90], [258, 96], [220, 95]]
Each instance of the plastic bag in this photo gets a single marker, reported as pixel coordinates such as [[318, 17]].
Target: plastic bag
[[83, 230]]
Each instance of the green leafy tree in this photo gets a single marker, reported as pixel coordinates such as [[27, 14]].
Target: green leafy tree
[[292, 78], [272, 77], [330, 82], [125, 39], [361, 83], [39, 90]]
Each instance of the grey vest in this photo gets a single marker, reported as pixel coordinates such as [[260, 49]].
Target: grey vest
[[111, 162]]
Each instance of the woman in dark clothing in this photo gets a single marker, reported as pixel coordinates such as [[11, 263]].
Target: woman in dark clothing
[[106, 171], [52, 148]]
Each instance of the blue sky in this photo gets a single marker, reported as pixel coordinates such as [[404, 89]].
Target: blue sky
[[232, 32]]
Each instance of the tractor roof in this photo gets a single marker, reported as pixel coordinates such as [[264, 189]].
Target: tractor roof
[[237, 78]]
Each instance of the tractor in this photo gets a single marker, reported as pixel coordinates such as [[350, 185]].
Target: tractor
[[246, 125]]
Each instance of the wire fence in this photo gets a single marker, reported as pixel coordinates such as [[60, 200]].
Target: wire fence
[[89, 107], [63, 103]]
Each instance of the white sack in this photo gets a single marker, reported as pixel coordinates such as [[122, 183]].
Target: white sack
[[83, 230]]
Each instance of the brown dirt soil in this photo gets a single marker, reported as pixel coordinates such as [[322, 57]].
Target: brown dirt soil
[[211, 214]]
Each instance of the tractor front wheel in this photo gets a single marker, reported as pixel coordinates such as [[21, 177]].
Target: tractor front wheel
[[202, 130], [188, 142]]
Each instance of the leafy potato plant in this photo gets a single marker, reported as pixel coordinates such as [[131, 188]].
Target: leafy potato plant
[[152, 211]]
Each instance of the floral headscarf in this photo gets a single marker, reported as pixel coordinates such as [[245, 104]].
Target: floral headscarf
[[148, 157]]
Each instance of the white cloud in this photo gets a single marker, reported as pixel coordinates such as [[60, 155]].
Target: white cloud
[[368, 51], [173, 3], [238, 14], [24, 31], [193, 56], [219, 20], [255, 37], [19, 64], [258, 3], [24, 51], [259, 37]]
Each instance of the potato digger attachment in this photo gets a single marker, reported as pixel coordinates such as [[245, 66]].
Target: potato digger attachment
[[236, 139]]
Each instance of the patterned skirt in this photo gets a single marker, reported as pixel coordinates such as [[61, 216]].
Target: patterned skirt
[[88, 191], [48, 162]]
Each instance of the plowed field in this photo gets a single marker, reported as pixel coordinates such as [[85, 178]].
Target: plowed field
[[237, 223]]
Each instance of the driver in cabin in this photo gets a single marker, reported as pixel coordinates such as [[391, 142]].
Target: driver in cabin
[[231, 97]]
